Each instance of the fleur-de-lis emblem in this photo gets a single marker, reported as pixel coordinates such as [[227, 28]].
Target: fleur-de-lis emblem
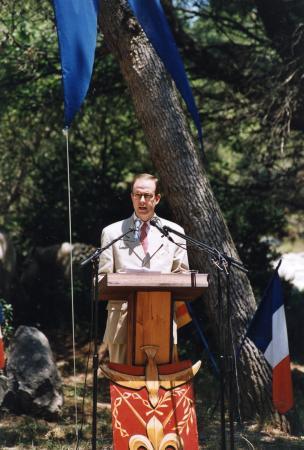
[[156, 439]]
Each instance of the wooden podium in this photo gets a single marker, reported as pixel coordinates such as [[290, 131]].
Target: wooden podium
[[151, 395]]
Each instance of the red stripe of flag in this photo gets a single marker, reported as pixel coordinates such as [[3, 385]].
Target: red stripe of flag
[[282, 392]]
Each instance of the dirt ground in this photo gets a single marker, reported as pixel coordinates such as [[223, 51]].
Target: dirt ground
[[24, 432]]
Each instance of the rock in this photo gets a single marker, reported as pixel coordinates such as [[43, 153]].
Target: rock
[[45, 282], [34, 384], [3, 388]]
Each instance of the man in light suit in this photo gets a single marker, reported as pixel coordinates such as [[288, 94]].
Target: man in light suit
[[144, 249]]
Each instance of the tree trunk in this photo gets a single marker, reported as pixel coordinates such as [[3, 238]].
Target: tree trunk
[[186, 187]]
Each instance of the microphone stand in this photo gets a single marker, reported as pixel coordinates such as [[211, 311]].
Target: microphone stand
[[224, 264], [222, 258], [94, 258]]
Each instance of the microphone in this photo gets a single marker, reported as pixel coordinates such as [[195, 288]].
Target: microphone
[[136, 229], [155, 222]]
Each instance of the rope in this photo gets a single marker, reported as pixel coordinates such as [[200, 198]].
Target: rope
[[86, 371], [66, 134]]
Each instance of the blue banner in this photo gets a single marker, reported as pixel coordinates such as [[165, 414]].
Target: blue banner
[[151, 17], [77, 31]]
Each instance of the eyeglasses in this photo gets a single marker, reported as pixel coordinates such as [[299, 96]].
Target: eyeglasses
[[146, 196]]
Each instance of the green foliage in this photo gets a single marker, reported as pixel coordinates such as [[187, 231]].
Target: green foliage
[[7, 326], [105, 142], [253, 168], [254, 159]]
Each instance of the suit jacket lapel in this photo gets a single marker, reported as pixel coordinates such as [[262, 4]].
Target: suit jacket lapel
[[155, 241]]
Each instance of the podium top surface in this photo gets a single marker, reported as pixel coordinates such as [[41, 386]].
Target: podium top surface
[[183, 286]]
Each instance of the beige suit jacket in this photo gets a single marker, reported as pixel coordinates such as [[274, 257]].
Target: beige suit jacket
[[163, 256]]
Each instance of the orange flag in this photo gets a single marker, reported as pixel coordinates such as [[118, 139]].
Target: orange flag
[[182, 315]]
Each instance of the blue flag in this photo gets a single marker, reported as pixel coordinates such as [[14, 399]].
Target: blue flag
[[77, 31], [151, 17]]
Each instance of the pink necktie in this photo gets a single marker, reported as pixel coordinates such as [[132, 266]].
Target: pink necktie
[[144, 237]]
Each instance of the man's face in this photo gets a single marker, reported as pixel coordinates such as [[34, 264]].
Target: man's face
[[144, 198]]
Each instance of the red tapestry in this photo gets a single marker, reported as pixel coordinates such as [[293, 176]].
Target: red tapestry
[[138, 425]]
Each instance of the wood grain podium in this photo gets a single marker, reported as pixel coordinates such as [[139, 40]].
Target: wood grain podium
[[150, 298], [152, 399]]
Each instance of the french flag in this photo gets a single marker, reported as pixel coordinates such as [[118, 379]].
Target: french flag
[[268, 332]]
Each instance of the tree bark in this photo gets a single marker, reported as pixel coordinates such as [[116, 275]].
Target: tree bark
[[186, 187]]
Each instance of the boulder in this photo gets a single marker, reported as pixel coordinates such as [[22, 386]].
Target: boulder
[[34, 384], [45, 283], [3, 388]]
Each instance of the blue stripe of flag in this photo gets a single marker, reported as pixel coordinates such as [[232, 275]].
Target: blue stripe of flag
[[260, 329], [151, 17]]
